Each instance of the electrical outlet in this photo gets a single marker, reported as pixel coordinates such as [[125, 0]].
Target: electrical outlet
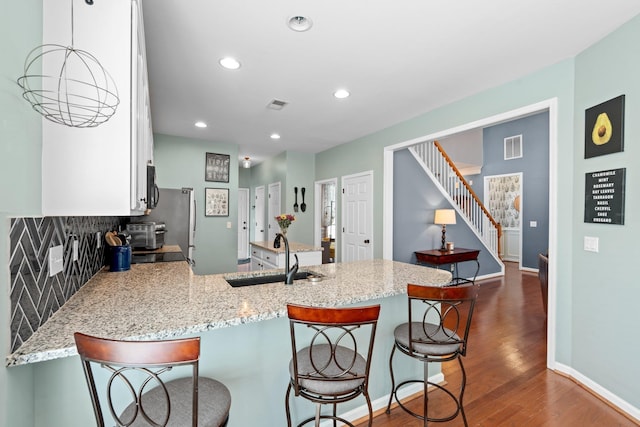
[[229, 224], [55, 260], [75, 250]]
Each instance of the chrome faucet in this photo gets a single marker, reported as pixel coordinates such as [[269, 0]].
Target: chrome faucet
[[289, 274]]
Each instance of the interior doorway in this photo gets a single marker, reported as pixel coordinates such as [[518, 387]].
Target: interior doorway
[[325, 218], [550, 105], [503, 198]]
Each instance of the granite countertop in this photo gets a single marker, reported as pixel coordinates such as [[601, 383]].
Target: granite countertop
[[167, 300], [294, 247]]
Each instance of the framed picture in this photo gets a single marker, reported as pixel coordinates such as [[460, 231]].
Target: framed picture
[[604, 128], [216, 202], [217, 167], [604, 195]]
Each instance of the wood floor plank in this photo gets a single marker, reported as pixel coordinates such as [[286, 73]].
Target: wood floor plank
[[508, 384]]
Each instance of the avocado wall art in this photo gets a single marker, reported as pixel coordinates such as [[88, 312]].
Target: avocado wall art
[[604, 128]]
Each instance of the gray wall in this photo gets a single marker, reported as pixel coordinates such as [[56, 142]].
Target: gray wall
[[534, 166], [415, 200]]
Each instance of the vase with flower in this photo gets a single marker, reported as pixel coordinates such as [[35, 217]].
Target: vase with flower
[[284, 221]]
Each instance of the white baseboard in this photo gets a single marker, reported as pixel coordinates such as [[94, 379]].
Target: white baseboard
[[602, 392], [381, 402], [408, 391], [489, 276]]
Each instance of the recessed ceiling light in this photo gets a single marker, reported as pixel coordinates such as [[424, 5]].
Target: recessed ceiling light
[[230, 63], [200, 124], [275, 136], [341, 93], [299, 23]]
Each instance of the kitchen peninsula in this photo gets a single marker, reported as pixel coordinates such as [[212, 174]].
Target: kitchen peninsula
[[245, 336]]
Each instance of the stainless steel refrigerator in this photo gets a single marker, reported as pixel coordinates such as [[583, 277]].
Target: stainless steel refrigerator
[[177, 209]]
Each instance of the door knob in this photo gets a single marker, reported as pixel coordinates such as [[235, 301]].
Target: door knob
[[366, 241]]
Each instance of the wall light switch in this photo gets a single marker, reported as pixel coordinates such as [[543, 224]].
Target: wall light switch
[[229, 224], [533, 224], [75, 250], [591, 244], [98, 239], [55, 260]]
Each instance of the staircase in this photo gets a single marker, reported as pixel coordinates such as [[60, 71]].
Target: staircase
[[457, 191]]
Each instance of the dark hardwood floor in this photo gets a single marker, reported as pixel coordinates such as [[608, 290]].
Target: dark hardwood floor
[[508, 383]]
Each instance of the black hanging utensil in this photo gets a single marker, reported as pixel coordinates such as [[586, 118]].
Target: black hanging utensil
[[295, 205], [303, 206]]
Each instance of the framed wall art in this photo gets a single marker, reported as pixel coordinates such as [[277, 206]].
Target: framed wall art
[[216, 202], [217, 167], [604, 128], [604, 196]]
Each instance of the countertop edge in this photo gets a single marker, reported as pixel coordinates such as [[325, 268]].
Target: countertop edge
[[71, 318]]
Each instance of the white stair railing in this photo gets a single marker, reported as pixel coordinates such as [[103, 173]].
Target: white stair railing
[[444, 173]]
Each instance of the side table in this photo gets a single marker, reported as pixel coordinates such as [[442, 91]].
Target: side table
[[437, 257]]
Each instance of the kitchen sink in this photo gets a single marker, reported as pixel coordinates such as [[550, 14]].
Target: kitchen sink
[[272, 278]]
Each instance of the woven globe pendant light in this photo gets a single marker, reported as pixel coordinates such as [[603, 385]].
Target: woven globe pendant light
[[80, 94]]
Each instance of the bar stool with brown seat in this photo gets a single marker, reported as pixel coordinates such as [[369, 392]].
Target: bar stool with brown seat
[[137, 394], [326, 366], [439, 336]]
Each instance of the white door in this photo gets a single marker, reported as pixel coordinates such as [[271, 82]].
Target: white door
[[357, 217], [258, 232], [274, 209], [243, 223]]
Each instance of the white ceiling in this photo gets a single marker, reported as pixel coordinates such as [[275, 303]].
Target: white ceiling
[[398, 59]]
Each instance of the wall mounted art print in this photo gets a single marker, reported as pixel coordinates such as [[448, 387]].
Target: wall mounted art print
[[217, 167], [604, 196], [604, 128], [216, 202]]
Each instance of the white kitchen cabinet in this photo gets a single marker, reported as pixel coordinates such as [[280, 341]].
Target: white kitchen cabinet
[[267, 258], [102, 170]]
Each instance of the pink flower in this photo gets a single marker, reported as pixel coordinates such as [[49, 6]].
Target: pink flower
[[285, 220]]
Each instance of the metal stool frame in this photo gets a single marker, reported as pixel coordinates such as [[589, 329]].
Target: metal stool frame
[[335, 371], [125, 360], [440, 336]]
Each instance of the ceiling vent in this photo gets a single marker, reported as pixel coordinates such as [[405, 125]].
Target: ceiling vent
[[277, 104]]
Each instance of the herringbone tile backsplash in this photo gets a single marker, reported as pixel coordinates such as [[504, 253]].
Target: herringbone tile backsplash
[[34, 295]]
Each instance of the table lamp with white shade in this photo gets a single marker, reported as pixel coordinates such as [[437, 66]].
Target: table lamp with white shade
[[444, 217]]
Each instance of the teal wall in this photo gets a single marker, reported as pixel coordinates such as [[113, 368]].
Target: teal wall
[[180, 162], [270, 171], [20, 195], [300, 173], [291, 169], [606, 292]]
